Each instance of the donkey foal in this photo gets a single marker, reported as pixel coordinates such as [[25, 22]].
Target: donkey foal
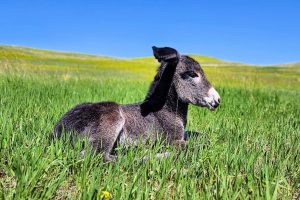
[[179, 81]]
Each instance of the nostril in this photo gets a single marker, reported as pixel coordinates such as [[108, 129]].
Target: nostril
[[219, 100], [216, 105]]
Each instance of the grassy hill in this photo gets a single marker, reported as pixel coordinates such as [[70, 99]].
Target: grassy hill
[[248, 148], [83, 66]]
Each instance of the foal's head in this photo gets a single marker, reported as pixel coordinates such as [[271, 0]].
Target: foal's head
[[192, 86], [185, 75]]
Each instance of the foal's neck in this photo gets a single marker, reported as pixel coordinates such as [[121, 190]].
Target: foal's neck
[[174, 105]]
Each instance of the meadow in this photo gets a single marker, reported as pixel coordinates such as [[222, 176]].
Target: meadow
[[249, 147]]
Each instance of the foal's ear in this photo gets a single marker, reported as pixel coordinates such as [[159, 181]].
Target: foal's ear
[[166, 54], [160, 87]]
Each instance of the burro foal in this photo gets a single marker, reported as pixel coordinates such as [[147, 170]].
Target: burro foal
[[179, 81]]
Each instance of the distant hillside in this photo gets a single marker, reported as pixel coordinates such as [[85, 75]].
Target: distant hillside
[[83, 66], [25, 53], [296, 64], [15, 57], [37, 60]]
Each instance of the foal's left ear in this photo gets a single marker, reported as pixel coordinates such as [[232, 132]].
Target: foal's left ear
[[166, 54]]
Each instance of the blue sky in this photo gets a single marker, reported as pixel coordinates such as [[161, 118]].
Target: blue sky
[[250, 31]]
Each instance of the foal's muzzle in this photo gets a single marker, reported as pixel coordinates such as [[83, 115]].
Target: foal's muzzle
[[213, 99]]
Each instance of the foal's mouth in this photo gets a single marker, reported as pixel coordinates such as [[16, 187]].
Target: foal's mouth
[[212, 101], [212, 107]]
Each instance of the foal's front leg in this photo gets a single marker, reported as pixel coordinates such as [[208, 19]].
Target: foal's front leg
[[178, 138], [178, 141], [180, 144]]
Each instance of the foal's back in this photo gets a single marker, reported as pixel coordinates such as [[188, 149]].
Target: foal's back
[[85, 118]]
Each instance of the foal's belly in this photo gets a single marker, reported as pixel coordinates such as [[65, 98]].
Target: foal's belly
[[138, 128], [142, 130], [134, 134]]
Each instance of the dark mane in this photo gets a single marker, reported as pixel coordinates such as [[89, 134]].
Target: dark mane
[[156, 80], [159, 88]]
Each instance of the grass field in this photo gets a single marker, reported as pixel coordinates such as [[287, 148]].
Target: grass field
[[249, 149]]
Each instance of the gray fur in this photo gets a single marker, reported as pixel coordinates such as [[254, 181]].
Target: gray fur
[[108, 123]]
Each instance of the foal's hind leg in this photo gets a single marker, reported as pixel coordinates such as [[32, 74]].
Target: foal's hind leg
[[107, 131]]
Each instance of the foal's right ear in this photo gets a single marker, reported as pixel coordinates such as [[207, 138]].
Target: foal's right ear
[[166, 54]]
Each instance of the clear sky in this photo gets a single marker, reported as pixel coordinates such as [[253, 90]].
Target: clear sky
[[250, 31]]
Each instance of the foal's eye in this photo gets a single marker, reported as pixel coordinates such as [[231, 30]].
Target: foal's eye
[[193, 74], [188, 74]]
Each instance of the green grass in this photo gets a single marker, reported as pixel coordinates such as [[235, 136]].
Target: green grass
[[252, 153]]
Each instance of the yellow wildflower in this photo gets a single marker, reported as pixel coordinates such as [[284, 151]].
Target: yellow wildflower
[[105, 195]]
